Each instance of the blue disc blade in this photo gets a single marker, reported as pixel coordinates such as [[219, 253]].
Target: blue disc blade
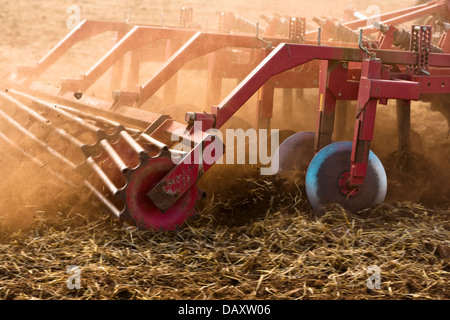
[[324, 171]]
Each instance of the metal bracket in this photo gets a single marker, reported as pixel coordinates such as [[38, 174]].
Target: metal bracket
[[319, 36], [297, 29], [127, 15], [260, 38], [186, 17], [361, 45], [421, 43]]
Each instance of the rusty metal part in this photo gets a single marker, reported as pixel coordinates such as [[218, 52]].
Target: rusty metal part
[[402, 39]]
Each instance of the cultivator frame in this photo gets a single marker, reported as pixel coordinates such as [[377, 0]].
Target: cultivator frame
[[128, 151]]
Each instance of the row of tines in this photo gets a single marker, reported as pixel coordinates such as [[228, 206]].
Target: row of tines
[[77, 148]]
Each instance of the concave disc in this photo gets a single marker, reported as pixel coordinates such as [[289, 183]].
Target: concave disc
[[325, 170], [293, 155]]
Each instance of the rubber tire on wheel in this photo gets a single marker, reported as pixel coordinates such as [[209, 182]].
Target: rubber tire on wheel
[[324, 171]]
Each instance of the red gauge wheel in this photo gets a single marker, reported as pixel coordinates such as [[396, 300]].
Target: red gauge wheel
[[142, 210]]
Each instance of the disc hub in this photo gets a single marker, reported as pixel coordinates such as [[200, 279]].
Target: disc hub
[[345, 187]]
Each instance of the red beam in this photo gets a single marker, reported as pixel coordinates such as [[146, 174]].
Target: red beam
[[199, 45], [84, 30]]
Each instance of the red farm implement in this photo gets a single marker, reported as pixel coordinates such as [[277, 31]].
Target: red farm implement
[[127, 154]]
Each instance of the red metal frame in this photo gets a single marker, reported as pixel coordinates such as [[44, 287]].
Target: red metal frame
[[376, 82], [394, 18]]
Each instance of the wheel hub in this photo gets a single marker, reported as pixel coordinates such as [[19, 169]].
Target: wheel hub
[[345, 187], [142, 210]]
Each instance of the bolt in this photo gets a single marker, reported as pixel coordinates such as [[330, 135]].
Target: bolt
[[190, 117], [345, 65]]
